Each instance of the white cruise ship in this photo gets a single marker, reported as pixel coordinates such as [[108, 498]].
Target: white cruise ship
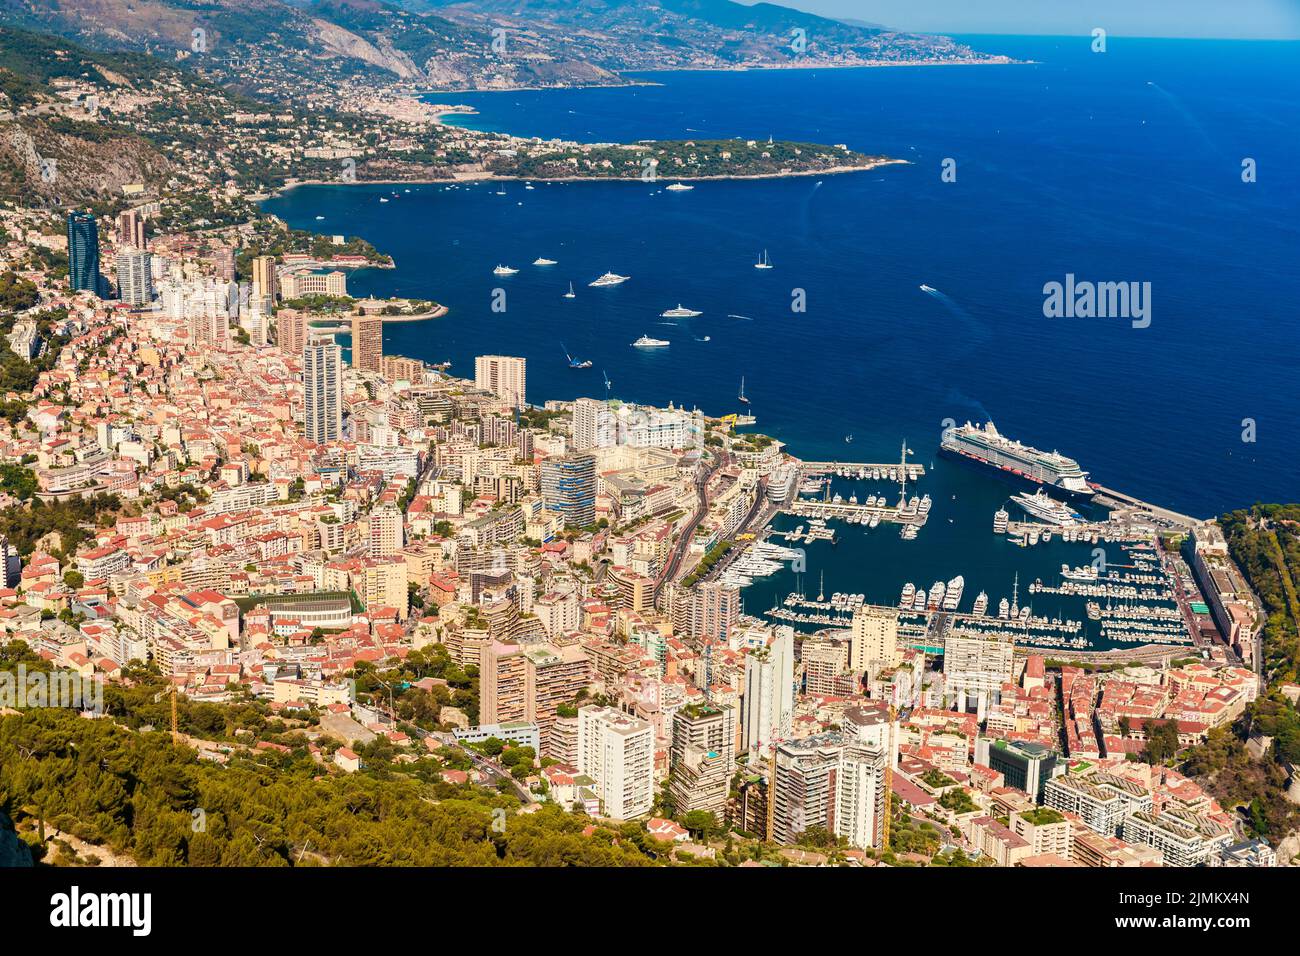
[[504, 271], [646, 342], [609, 278], [679, 313]]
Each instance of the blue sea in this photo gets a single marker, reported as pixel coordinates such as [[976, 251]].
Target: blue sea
[[1123, 166]]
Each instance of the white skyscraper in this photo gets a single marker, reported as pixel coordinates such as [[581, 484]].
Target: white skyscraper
[[860, 778], [594, 425], [769, 691], [618, 752], [322, 387], [135, 276], [502, 375]]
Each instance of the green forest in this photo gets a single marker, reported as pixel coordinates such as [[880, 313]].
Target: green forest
[[1265, 543]]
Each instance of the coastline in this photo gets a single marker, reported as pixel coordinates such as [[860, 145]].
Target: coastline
[[496, 177], [732, 68]]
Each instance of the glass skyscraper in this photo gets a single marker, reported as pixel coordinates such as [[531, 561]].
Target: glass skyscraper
[[569, 488], [83, 252]]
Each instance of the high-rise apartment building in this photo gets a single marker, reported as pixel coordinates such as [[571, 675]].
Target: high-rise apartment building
[[135, 276], [502, 375], [387, 528], [368, 343], [291, 331], [874, 640], [860, 779], [131, 229], [569, 488], [530, 683], [975, 666], [715, 610], [322, 387], [703, 757], [769, 691], [593, 425], [617, 751], [264, 277]]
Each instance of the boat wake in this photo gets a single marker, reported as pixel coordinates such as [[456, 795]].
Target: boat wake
[[742, 317], [977, 331]]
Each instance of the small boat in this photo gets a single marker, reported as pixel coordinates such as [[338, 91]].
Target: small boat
[[539, 261], [928, 288], [573, 362], [570, 294], [504, 271], [319, 218], [762, 262], [743, 399], [383, 199], [679, 188]]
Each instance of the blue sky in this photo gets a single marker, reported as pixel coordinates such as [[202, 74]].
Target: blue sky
[[1256, 19]]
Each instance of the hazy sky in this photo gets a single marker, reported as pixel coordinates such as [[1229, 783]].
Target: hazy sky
[[1273, 19]]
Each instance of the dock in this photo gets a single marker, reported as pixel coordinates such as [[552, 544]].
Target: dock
[[810, 469], [1111, 498]]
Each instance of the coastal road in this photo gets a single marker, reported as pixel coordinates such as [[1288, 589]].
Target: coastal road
[[688, 530]]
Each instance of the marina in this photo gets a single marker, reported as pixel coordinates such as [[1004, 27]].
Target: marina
[[1098, 586]]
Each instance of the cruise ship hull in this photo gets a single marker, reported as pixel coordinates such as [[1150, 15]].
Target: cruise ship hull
[[1015, 477]]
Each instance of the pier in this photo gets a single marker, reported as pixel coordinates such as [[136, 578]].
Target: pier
[[811, 469], [1111, 498]]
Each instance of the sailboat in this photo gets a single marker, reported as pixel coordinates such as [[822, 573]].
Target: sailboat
[[762, 263], [570, 294], [743, 399]]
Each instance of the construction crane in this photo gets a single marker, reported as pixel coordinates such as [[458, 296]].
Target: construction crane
[[176, 732]]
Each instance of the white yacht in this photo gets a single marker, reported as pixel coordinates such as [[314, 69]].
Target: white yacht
[[953, 595], [981, 604], [1043, 506], [646, 342], [679, 313], [540, 261], [504, 271], [570, 294], [762, 262], [679, 188], [609, 278]]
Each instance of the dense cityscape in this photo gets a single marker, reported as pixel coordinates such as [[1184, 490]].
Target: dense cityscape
[[276, 598]]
